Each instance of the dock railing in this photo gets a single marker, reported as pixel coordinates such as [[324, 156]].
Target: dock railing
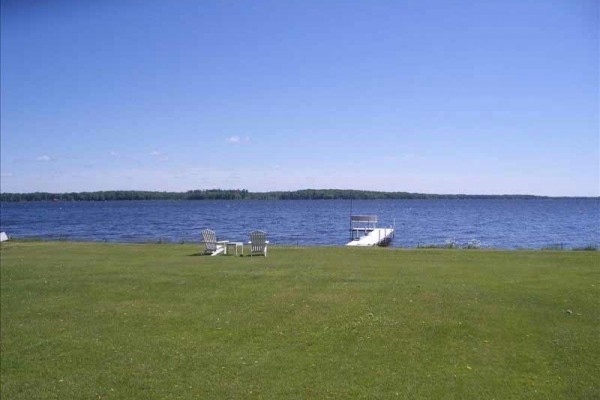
[[361, 224]]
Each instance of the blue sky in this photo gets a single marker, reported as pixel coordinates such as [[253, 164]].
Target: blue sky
[[489, 97]]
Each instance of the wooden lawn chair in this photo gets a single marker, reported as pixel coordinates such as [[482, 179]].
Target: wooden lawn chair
[[212, 246], [258, 243]]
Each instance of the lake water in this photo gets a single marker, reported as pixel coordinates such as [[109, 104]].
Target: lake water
[[504, 224]]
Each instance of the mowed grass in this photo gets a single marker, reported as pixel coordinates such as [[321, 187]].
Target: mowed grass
[[89, 321]]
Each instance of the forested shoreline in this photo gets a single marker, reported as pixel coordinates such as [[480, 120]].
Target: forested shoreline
[[242, 194]]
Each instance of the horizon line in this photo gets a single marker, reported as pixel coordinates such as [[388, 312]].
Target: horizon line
[[315, 190]]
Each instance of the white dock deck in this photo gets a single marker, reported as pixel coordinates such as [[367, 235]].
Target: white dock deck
[[376, 237]]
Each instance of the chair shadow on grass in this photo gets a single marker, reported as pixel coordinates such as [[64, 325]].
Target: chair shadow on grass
[[202, 254]]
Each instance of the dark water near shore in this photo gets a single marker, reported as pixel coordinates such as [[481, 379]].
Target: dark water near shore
[[505, 224]]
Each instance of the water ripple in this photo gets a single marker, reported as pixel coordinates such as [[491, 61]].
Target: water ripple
[[511, 224]]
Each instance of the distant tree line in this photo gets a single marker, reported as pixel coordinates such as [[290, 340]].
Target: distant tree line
[[242, 194], [213, 194]]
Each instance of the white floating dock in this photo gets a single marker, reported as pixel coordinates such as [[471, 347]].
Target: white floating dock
[[364, 233], [376, 237]]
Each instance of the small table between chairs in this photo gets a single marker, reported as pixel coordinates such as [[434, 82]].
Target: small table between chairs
[[234, 246]]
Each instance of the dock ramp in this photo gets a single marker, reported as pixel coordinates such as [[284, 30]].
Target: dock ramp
[[376, 237], [363, 232]]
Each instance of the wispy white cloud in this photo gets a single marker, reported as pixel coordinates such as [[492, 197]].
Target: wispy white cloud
[[237, 139], [159, 156], [45, 158], [6, 175], [114, 154]]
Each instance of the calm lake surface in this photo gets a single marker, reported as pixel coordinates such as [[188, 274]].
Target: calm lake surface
[[505, 224]]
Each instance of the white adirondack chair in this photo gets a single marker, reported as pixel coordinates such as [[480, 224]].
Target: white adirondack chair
[[258, 243], [212, 246]]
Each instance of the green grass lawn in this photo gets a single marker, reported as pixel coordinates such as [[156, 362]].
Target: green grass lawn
[[89, 321]]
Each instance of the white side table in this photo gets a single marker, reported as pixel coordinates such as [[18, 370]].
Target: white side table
[[234, 246]]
